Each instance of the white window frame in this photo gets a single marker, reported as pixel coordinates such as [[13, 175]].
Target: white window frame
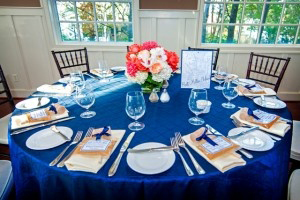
[[239, 25], [56, 24]]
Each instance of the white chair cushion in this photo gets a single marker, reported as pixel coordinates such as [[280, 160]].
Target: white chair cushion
[[293, 191], [6, 179], [4, 128], [295, 150]]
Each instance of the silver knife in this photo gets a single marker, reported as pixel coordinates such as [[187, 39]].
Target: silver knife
[[40, 125], [244, 132], [150, 149], [125, 145], [241, 150]]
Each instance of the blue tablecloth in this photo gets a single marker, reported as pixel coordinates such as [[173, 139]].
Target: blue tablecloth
[[264, 177]]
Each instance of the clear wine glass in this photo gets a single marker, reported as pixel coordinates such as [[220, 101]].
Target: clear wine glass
[[77, 80], [229, 93], [104, 70], [85, 98], [197, 104], [135, 108], [221, 72]]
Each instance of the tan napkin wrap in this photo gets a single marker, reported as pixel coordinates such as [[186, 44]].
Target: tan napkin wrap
[[200, 144], [246, 91], [224, 162], [278, 128], [92, 161], [38, 116], [244, 116]]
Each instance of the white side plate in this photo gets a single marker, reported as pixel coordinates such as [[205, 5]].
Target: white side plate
[[270, 103], [32, 103], [151, 162], [253, 141], [47, 139]]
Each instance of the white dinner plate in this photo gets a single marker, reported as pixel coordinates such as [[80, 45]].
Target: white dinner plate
[[253, 141], [32, 103], [118, 68], [271, 103], [244, 82], [47, 139], [151, 162]]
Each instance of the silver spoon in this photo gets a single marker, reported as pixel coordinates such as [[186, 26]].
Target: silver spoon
[[54, 129]]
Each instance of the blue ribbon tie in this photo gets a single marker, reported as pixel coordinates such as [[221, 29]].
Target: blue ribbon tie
[[52, 108], [250, 113], [205, 137], [103, 132], [249, 86]]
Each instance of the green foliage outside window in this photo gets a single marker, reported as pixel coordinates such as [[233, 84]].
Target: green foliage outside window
[[95, 21], [251, 21]]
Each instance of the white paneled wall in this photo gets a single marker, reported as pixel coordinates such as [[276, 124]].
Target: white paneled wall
[[26, 38]]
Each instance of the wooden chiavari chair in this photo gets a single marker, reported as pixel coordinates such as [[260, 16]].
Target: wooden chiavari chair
[[71, 60], [267, 70]]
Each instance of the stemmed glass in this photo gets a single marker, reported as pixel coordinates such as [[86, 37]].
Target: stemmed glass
[[135, 108], [104, 70], [85, 98], [229, 93], [221, 72], [197, 104], [77, 80]]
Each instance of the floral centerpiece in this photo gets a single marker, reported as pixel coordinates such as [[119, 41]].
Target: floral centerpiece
[[150, 64]]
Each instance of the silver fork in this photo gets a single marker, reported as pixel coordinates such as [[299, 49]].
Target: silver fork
[[181, 143], [62, 162], [188, 170], [75, 140], [240, 124]]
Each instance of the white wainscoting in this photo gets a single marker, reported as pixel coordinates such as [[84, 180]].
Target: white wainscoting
[[27, 39]]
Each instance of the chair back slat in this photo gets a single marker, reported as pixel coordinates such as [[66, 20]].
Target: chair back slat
[[256, 62], [6, 90], [76, 57], [62, 60], [71, 60], [215, 55], [267, 65], [277, 67], [272, 65], [67, 59], [265, 72]]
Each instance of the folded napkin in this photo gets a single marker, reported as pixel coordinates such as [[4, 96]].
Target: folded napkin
[[243, 91], [60, 89], [97, 72], [278, 128], [224, 162], [53, 112], [92, 161]]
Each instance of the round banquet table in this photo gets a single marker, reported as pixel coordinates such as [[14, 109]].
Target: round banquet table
[[263, 177]]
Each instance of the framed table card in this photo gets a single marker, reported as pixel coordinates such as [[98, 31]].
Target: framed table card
[[196, 68]]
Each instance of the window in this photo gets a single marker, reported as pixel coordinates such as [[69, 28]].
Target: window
[[251, 21], [94, 21]]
